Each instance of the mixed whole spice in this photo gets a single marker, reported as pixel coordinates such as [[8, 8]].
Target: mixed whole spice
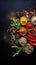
[[22, 31]]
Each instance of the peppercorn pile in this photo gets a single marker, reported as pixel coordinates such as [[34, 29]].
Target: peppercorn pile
[[22, 30]]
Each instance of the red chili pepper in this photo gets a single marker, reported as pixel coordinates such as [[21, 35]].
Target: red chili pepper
[[33, 44], [30, 39], [35, 37], [27, 38], [33, 41], [31, 34]]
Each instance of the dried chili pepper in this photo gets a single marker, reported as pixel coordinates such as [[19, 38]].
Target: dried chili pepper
[[31, 34], [27, 38], [33, 44], [30, 39]]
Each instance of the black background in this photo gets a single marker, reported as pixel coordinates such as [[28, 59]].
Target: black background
[[5, 50]]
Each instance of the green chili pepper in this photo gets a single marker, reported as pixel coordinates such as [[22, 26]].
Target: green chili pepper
[[16, 23], [18, 50]]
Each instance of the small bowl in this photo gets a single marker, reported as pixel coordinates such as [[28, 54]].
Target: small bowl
[[23, 32], [29, 26], [23, 20], [28, 48], [22, 43], [33, 20]]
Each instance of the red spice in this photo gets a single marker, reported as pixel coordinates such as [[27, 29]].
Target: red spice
[[29, 25]]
